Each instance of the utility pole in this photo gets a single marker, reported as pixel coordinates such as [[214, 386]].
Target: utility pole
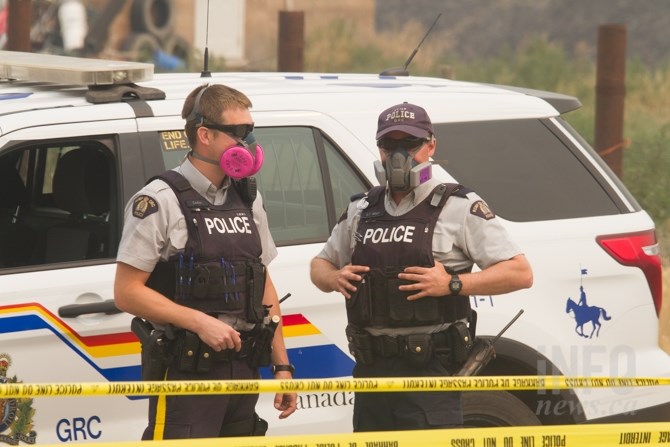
[[19, 21], [291, 41], [610, 95]]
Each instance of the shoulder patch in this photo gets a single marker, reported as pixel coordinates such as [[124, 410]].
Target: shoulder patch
[[144, 206], [481, 209]]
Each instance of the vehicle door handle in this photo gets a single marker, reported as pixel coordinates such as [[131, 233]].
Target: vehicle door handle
[[74, 310]]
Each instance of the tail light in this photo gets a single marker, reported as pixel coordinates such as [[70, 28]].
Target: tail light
[[638, 250]]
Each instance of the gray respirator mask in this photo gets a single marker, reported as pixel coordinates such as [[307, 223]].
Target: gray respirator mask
[[402, 172]]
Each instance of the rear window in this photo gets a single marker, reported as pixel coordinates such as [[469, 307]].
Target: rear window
[[524, 170]]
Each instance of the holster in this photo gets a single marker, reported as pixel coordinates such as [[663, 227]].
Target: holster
[[360, 344], [260, 340], [155, 352]]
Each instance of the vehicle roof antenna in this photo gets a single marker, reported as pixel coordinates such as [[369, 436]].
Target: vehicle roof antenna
[[402, 71], [205, 69]]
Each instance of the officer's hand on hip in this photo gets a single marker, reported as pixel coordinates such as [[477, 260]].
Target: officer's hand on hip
[[427, 281]]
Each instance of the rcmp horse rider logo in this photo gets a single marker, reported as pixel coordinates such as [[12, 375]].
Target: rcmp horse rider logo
[[16, 415], [583, 313]]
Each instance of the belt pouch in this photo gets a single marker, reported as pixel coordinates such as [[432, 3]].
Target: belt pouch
[[204, 359], [419, 349], [358, 306], [461, 341], [401, 311], [187, 351]]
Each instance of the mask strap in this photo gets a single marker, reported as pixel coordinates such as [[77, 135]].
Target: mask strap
[[194, 154], [195, 114], [205, 159]]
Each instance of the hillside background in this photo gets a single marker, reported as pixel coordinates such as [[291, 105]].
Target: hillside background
[[483, 28]]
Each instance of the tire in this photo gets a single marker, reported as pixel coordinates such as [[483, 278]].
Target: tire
[[495, 409], [177, 46], [155, 17], [141, 47]]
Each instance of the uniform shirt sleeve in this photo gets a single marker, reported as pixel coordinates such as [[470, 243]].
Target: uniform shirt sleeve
[[340, 244], [155, 234], [468, 233], [261, 221]]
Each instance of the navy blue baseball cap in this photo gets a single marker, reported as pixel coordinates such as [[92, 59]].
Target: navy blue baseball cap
[[406, 117]]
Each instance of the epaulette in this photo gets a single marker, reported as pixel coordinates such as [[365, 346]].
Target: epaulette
[[358, 196], [445, 190]]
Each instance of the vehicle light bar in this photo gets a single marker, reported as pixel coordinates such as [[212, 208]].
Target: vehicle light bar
[[71, 70]]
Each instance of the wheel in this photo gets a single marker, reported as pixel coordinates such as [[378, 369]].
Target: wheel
[[177, 46], [495, 409], [152, 16], [141, 47]]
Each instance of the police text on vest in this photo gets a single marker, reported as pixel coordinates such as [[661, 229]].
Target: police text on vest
[[237, 224], [400, 233]]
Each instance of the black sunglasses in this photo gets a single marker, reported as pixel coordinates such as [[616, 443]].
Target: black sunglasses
[[240, 131], [408, 143]]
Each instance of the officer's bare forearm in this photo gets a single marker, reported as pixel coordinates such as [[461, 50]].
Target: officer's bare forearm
[[503, 277], [322, 273]]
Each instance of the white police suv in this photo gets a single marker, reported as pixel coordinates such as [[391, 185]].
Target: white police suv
[[78, 137]]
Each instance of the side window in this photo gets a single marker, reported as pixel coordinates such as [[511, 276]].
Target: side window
[[292, 185], [344, 181], [56, 204], [523, 169]]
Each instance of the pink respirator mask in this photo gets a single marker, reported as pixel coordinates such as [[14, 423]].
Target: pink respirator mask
[[243, 160]]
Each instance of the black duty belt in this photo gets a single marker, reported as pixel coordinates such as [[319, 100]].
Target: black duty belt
[[402, 345], [226, 355]]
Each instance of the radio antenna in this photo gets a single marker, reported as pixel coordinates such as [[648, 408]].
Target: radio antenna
[[402, 71], [205, 69]]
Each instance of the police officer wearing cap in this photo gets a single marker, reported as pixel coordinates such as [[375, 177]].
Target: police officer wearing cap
[[192, 262], [402, 256]]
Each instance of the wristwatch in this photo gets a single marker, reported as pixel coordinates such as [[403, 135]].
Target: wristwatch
[[276, 368], [455, 285]]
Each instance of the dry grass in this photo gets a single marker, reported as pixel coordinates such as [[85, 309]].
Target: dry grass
[[664, 330]]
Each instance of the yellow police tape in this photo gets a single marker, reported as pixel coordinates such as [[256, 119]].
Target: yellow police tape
[[602, 435], [484, 383]]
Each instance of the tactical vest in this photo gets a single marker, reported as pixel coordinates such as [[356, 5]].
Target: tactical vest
[[219, 270], [388, 244]]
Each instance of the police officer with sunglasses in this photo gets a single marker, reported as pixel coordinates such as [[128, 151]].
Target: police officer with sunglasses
[[402, 255], [191, 266]]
